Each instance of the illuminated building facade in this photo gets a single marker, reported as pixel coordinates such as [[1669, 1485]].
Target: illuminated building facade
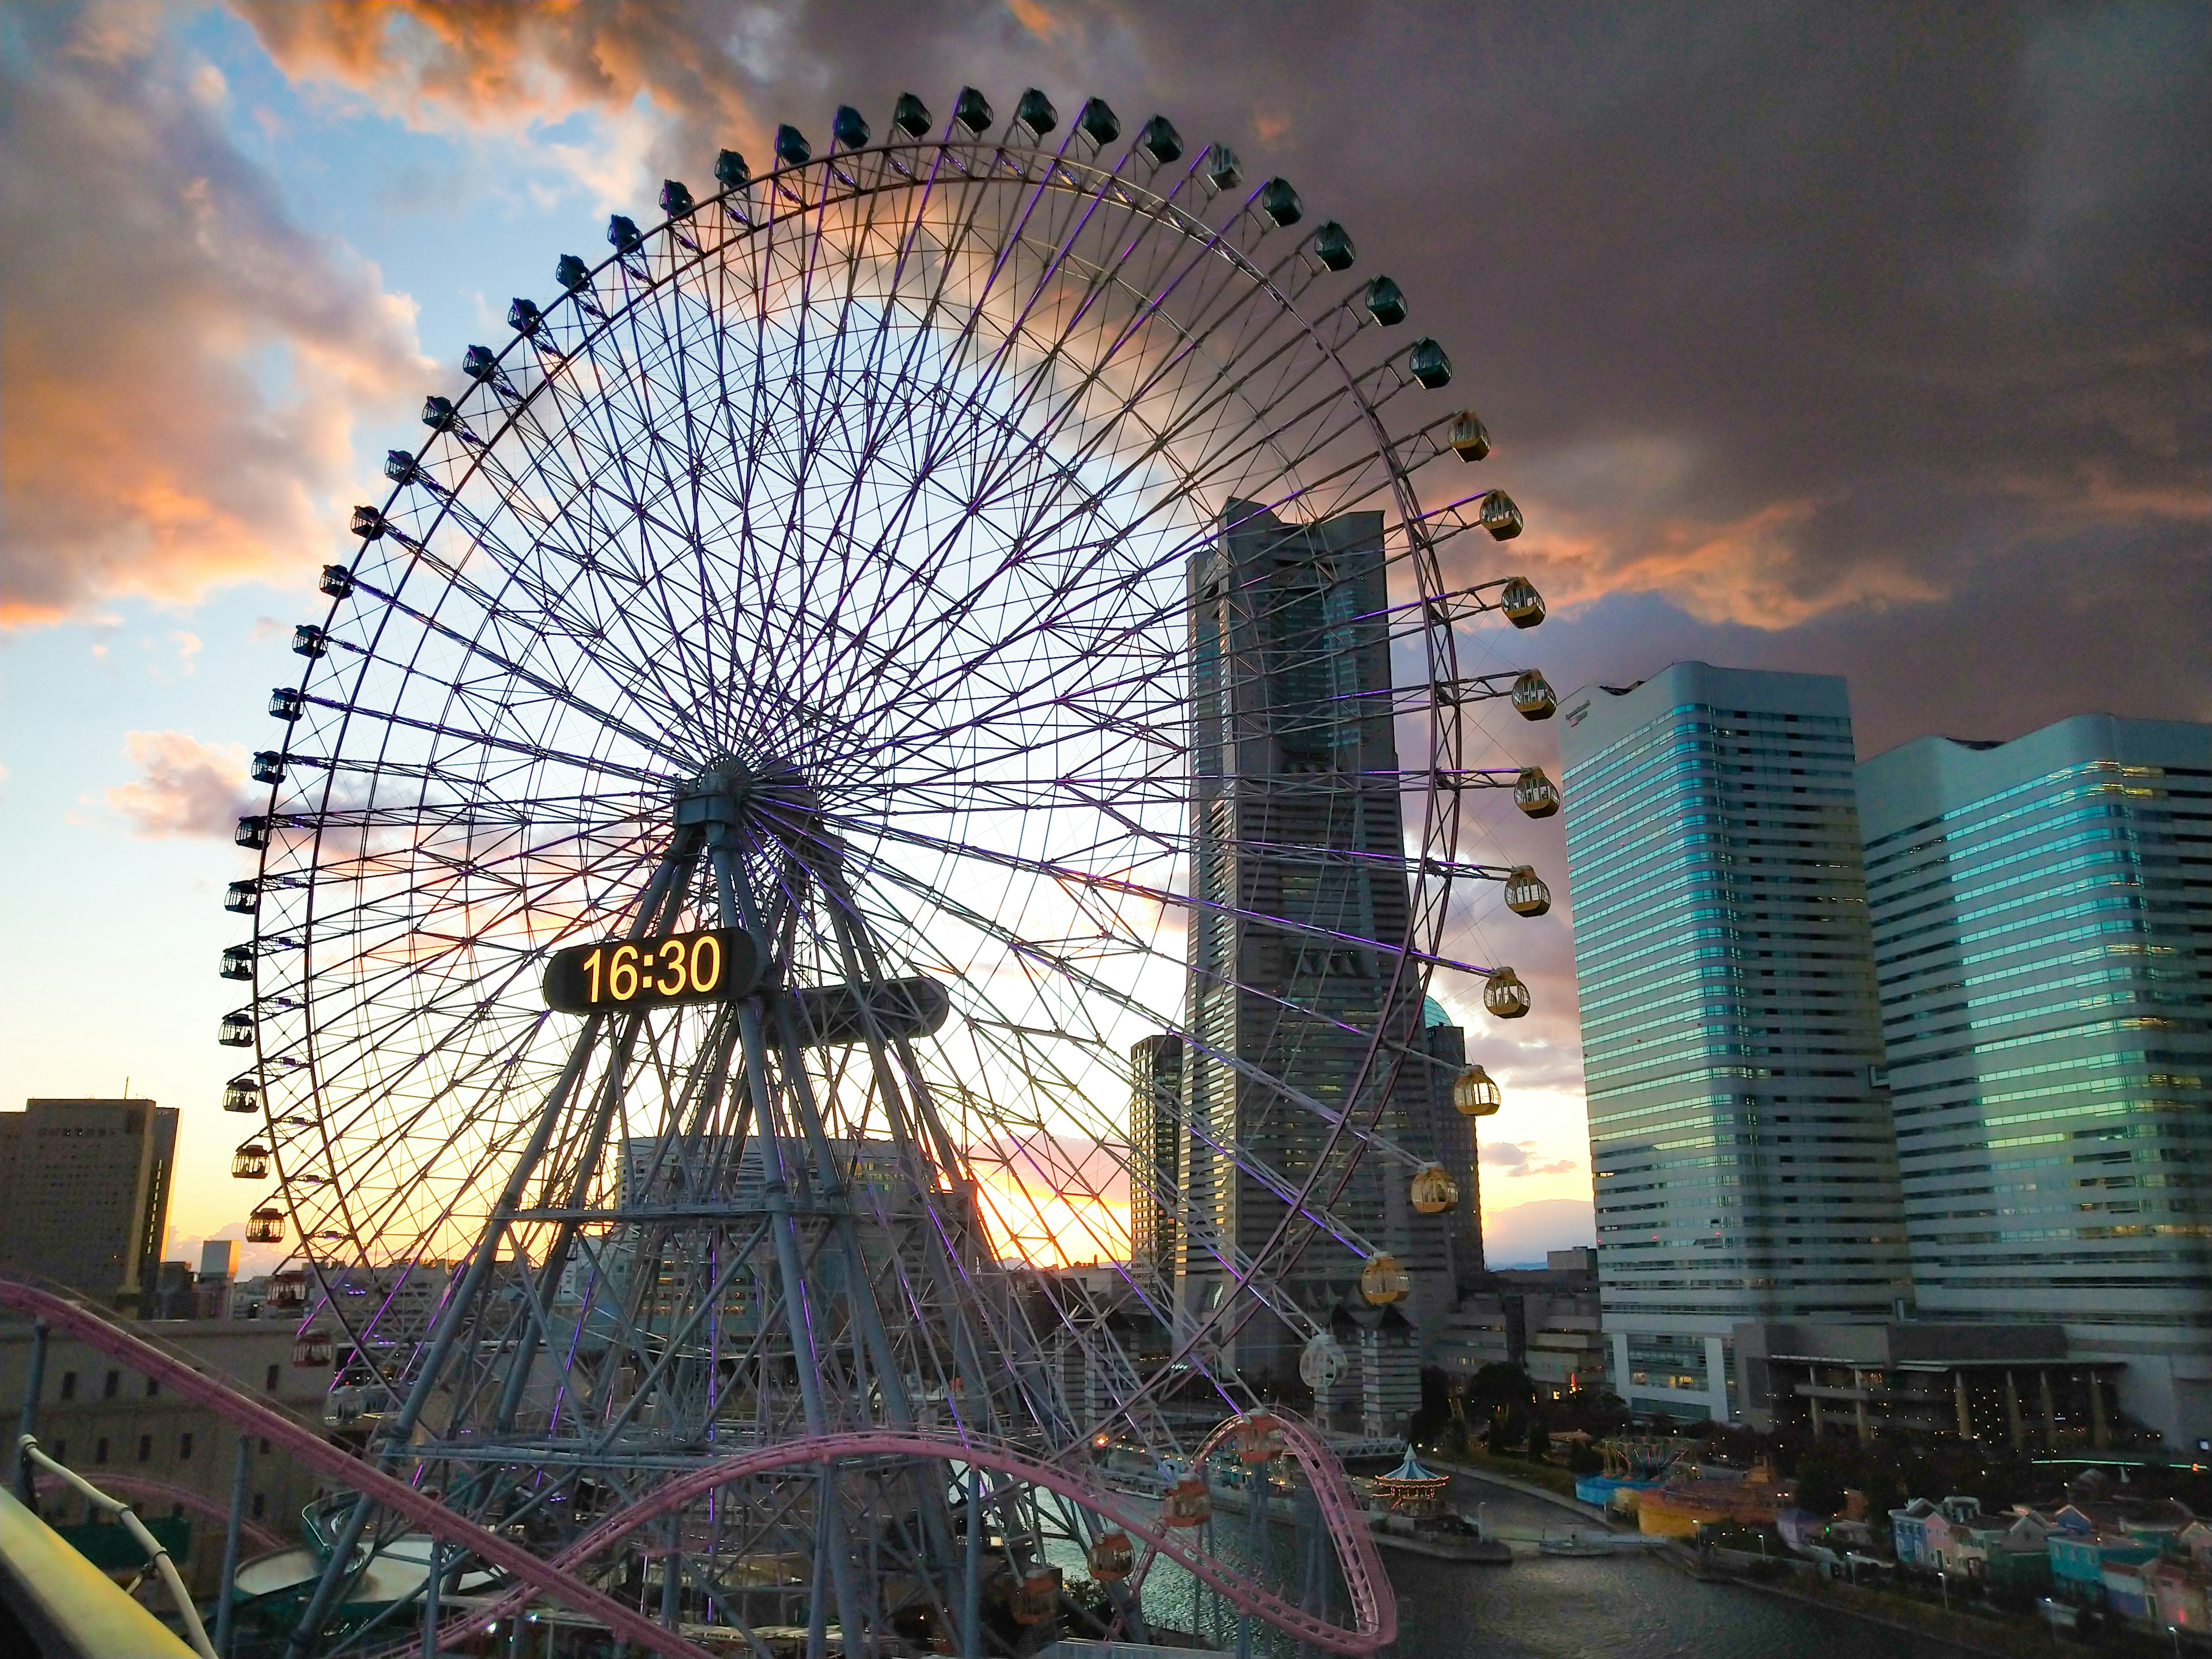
[[1739, 1137], [2042, 939]]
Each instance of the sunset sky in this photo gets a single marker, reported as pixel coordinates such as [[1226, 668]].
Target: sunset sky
[[1850, 339]]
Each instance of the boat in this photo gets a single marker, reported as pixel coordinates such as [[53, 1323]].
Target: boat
[[1445, 1538], [1585, 1545]]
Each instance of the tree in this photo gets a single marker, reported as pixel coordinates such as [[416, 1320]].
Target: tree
[[1503, 1385], [1821, 1483]]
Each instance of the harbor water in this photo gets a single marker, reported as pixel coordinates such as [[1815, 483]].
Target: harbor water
[[1622, 1606]]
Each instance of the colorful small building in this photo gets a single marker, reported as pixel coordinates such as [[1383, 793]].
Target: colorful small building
[[2021, 1559], [1908, 1535], [2127, 1589], [2079, 1560], [2181, 1595]]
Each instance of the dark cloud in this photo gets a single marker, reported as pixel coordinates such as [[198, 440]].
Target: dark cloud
[[1888, 325], [1515, 1158], [1863, 340]]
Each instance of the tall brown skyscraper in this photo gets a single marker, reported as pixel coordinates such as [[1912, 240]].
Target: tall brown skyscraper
[[1299, 850], [84, 1193]]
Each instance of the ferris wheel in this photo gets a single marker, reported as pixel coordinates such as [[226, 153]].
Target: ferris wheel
[[892, 640]]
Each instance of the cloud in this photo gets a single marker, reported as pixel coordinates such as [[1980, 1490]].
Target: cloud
[[1524, 1232], [1514, 1158], [183, 364], [669, 83], [183, 786], [1803, 323]]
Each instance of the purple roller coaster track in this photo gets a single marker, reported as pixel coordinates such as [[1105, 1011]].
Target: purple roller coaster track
[[1374, 1608]]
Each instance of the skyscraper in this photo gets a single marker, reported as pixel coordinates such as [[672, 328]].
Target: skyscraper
[[84, 1193], [2043, 937], [1741, 1146], [1154, 1134], [1445, 1045], [1298, 835]]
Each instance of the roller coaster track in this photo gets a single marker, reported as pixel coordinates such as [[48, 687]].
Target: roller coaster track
[[1374, 1608], [244, 1411]]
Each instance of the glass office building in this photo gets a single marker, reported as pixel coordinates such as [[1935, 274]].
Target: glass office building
[[1739, 1137], [2043, 937]]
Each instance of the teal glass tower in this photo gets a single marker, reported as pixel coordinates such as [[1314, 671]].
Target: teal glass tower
[[1739, 1138], [2042, 937]]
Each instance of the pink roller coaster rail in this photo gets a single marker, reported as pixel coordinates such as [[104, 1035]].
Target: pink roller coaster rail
[[1374, 1608]]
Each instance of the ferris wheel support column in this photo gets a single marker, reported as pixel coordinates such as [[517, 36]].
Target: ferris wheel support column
[[661, 894], [798, 1314], [458, 1312]]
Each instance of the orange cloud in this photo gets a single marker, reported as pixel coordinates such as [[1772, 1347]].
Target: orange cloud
[[183, 786], [184, 365], [1746, 570], [1634, 515], [503, 66]]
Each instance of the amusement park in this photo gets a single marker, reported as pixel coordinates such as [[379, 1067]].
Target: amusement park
[[1092, 829], [910, 692]]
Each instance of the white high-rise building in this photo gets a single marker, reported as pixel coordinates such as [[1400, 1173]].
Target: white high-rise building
[[2043, 937], [1739, 1138]]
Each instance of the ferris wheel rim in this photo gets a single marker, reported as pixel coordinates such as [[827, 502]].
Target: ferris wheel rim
[[1214, 242]]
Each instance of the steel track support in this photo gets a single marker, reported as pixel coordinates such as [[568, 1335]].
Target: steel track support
[[227, 1593], [971, 1586], [27, 1427]]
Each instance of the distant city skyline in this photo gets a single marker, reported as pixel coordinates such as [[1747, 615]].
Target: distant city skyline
[[1904, 393]]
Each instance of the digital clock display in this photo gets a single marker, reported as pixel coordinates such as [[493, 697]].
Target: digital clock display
[[714, 964]]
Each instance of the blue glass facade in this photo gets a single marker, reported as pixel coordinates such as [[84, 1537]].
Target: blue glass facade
[[1739, 1143], [2043, 937]]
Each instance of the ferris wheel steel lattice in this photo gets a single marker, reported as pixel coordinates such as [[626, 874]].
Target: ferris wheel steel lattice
[[901, 632]]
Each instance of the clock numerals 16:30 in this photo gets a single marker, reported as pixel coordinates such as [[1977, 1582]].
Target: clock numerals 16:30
[[712, 964]]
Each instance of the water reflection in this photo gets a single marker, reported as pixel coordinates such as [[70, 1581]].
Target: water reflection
[[1541, 1606]]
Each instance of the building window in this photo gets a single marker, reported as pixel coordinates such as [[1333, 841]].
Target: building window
[[184, 1449], [264, 1445], [99, 1449], [152, 1388], [269, 1384], [114, 1382], [145, 1448], [68, 1385], [260, 1504]]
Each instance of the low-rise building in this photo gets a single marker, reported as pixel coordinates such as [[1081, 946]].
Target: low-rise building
[[1545, 1320], [2013, 1383], [168, 1457], [2181, 1597], [2080, 1560]]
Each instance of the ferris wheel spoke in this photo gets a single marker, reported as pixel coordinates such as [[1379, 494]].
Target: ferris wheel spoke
[[1067, 967], [821, 560]]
